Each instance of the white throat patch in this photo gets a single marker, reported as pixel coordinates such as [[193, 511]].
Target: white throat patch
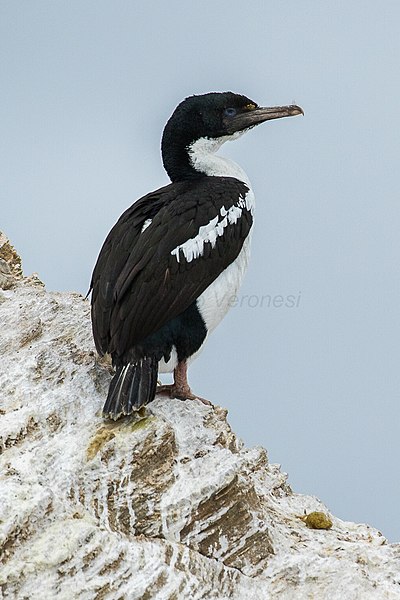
[[203, 158]]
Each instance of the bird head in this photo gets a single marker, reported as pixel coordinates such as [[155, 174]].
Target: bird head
[[216, 116]]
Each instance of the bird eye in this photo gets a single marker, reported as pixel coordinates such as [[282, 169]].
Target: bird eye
[[230, 112]]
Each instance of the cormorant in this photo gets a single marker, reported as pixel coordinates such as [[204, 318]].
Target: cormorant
[[168, 269]]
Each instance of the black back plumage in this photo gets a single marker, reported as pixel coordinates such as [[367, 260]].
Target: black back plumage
[[138, 285]]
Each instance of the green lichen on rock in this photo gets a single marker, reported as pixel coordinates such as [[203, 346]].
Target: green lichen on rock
[[317, 520], [142, 423], [101, 437]]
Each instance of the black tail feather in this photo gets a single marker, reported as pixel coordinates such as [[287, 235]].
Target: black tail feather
[[132, 386]]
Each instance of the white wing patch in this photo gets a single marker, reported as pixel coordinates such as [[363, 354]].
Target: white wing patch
[[203, 158], [146, 224], [209, 233]]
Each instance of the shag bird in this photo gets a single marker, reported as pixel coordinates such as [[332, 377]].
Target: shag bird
[[170, 266]]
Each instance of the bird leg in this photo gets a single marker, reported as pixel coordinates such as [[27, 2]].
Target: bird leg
[[180, 388]]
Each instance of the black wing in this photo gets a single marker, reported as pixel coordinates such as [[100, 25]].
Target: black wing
[[138, 282]]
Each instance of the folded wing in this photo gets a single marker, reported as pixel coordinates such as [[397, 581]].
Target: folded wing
[[163, 252]]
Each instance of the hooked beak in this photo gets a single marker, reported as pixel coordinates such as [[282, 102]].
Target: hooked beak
[[258, 115]]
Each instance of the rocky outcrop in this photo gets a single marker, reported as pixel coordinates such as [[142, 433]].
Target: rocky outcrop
[[168, 505], [10, 263]]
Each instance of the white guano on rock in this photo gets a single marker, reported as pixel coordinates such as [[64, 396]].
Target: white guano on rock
[[167, 505]]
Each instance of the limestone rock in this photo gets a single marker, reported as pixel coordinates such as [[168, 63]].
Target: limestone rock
[[168, 505], [10, 263]]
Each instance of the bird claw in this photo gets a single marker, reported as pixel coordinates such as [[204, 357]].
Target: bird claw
[[173, 391]]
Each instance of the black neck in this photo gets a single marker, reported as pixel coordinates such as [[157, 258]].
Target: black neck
[[175, 156]]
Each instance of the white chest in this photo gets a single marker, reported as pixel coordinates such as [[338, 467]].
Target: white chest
[[221, 295], [216, 300]]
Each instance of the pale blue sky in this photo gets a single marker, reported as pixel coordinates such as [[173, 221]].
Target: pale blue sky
[[86, 88]]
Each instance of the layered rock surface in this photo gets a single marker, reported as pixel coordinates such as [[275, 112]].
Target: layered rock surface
[[169, 505]]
